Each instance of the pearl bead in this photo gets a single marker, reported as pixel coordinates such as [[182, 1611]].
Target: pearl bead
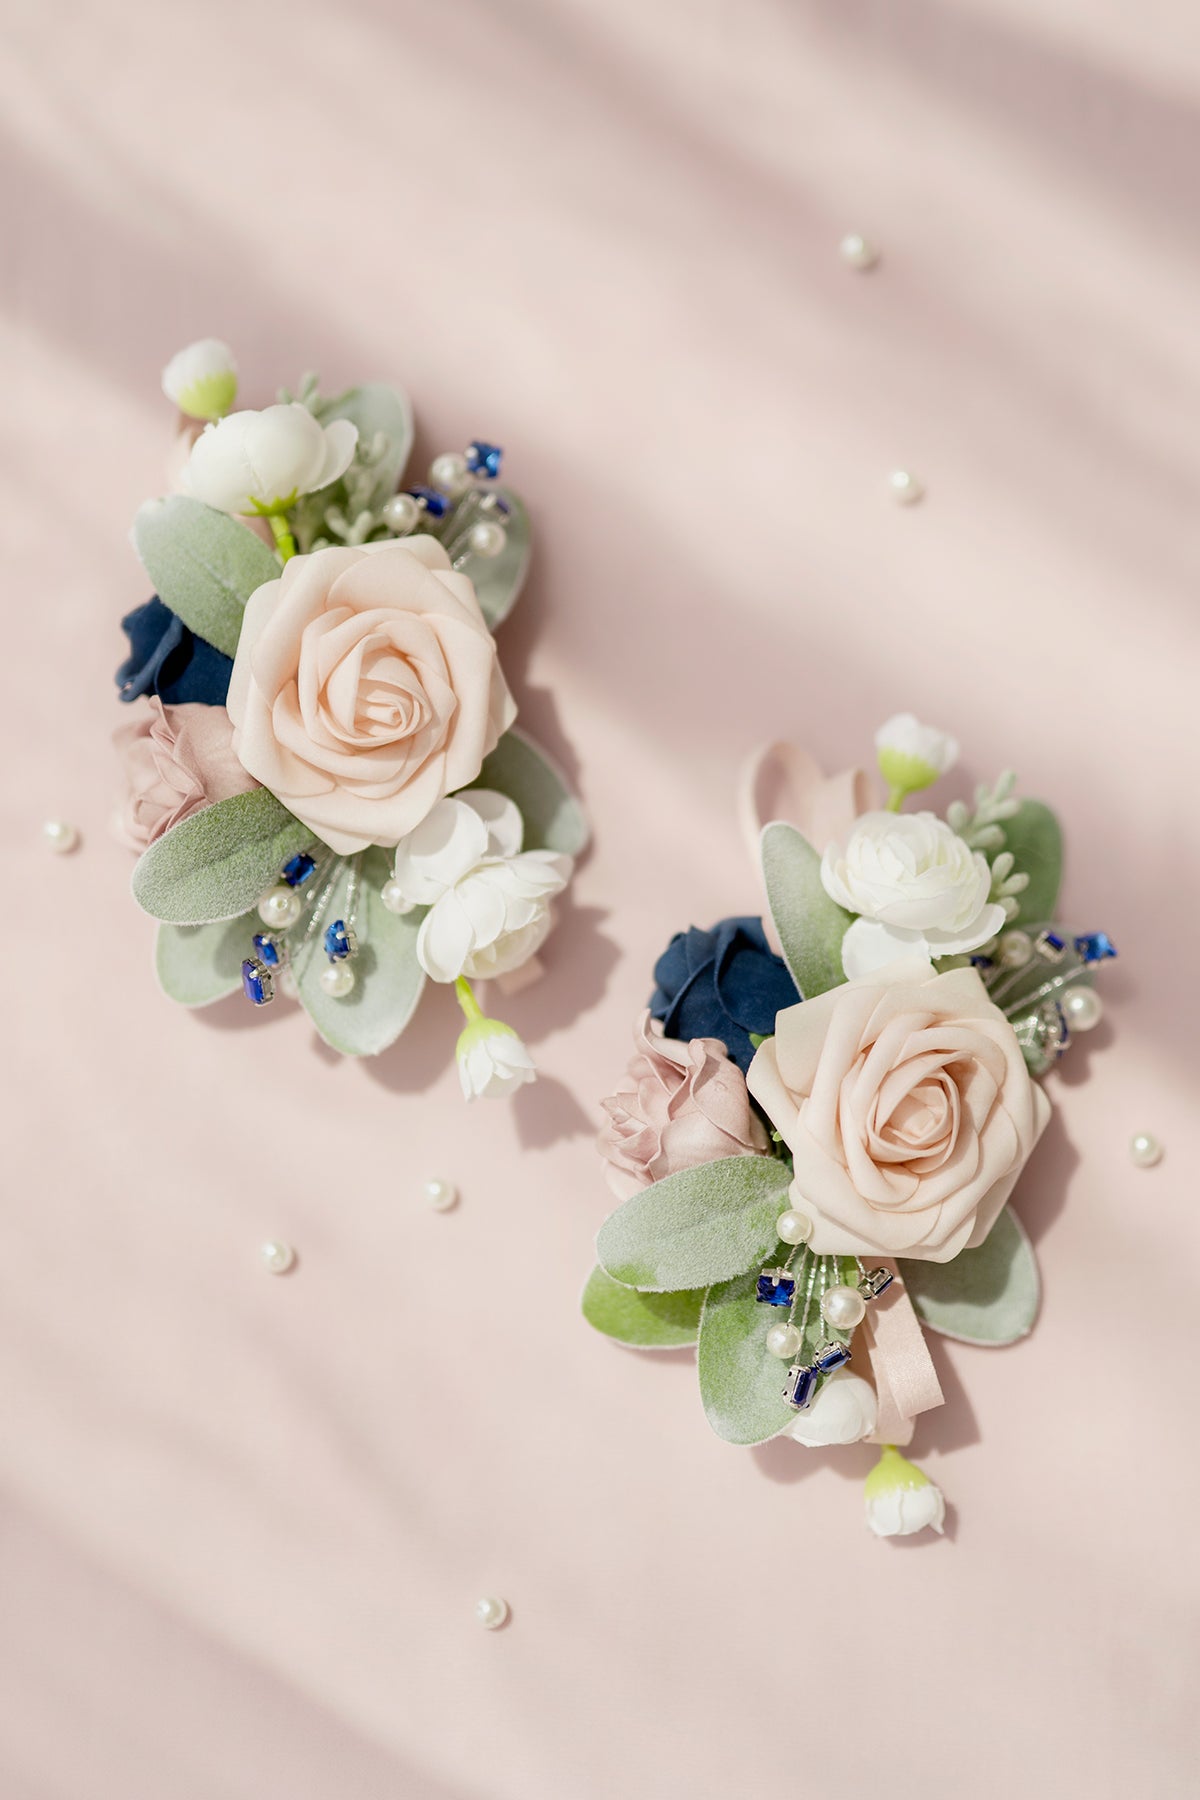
[[491, 1612], [400, 514], [1015, 949], [58, 836], [278, 1258], [1083, 1007], [441, 1195], [794, 1227], [1145, 1150], [858, 251], [783, 1341], [843, 1308], [904, 487], [487, 538], [449, 473], [337, 980], [280, 908], [393, 897]]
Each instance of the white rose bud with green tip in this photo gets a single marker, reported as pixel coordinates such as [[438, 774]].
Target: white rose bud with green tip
[[843, 1411], [262, 462], [912, 756], [202, 379], [900, 1498]]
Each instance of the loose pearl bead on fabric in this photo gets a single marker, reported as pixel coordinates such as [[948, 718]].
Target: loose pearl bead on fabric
[[859, 252], [337, 980], [280, 908], [1083, 1008], [449, 473], [843, 1308], [277, 1257], [441, 1195], [904, 487], [393, 897], [487, 538], [491, 1611], [1145, 1150], [783, 1340], [794, 1227], [400, 514], [58, 836]]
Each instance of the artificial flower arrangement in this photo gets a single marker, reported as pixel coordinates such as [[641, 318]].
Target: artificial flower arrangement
[[826, 1114], [325, 784]]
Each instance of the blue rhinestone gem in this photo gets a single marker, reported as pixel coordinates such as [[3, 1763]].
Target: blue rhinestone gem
[[802, 1385], [1095, 946], [1050, 946], [982, 962], [258, 984], [297, 870], [484, 459], [340, 942], [830, 1357], [435, 503], [775, 1288], [269, 949]]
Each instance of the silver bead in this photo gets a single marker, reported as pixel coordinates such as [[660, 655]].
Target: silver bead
[[277, 1257]]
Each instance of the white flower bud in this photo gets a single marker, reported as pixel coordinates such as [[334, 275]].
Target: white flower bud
[[911, 755], [202, 379], [900, 1498], [492, 1061], [843, 1411], [262, 462]]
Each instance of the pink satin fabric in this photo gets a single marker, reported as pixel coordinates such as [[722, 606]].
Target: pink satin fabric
[[906, 1381]]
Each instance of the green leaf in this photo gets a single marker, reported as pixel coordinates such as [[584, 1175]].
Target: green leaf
[[198, 964], [811, 926], [375, 408], [985, 1296], [696, 1227], [499, 580], [389, 979], [741, 1383], [218, 863], [1034, 838], [554, 819], [646, 1321], [204, 565]]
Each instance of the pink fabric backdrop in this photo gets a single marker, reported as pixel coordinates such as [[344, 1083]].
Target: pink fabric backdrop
[[244, 1521]]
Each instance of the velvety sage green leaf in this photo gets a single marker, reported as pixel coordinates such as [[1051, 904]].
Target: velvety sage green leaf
[[204, 565], [810, 925], [198, 964], [646, 1321], [741, 1383], [554, 819], [1034, 837], [696, 1227], [220, 862], [375, 407], [499, 579], [388, 977], [985, 1296]]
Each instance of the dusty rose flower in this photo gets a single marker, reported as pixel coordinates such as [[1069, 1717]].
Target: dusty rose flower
[[177, 759], [366, 688], [908, 1108], [678, 1106]]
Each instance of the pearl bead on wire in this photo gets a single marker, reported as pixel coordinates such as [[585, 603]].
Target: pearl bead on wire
[[1082, 1008], [400, 514], [449, 473], [843, 1308], [486, 539], [794, 1227], [394, 899], [783, 1340], [337, 980], [1145, 1150], [280, 908]]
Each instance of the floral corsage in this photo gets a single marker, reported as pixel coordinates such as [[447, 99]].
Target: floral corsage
[[826, 1115], [325, 785]]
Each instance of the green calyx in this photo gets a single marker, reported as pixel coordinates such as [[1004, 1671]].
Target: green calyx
[[893, 1471], [209, 396], [905, 775]]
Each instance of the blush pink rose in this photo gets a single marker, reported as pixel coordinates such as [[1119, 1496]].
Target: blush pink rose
[[908, 1109], [678, 1106], [177, 759], [366, 688]]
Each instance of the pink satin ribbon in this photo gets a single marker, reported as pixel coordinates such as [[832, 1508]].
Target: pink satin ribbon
[[906, 1381]]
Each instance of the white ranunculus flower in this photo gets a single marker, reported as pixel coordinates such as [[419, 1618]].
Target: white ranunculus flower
[[916, 886], [843, 1411], [900, 1498], [202, 379], [911, 755], [262, 462], [492, 1061], [488, 900]]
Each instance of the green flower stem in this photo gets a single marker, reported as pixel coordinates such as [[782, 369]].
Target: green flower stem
[[896, 798], [466, 999], [284, 541]]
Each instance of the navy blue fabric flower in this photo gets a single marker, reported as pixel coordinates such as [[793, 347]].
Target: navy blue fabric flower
[[167, 659], [724, 983]]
